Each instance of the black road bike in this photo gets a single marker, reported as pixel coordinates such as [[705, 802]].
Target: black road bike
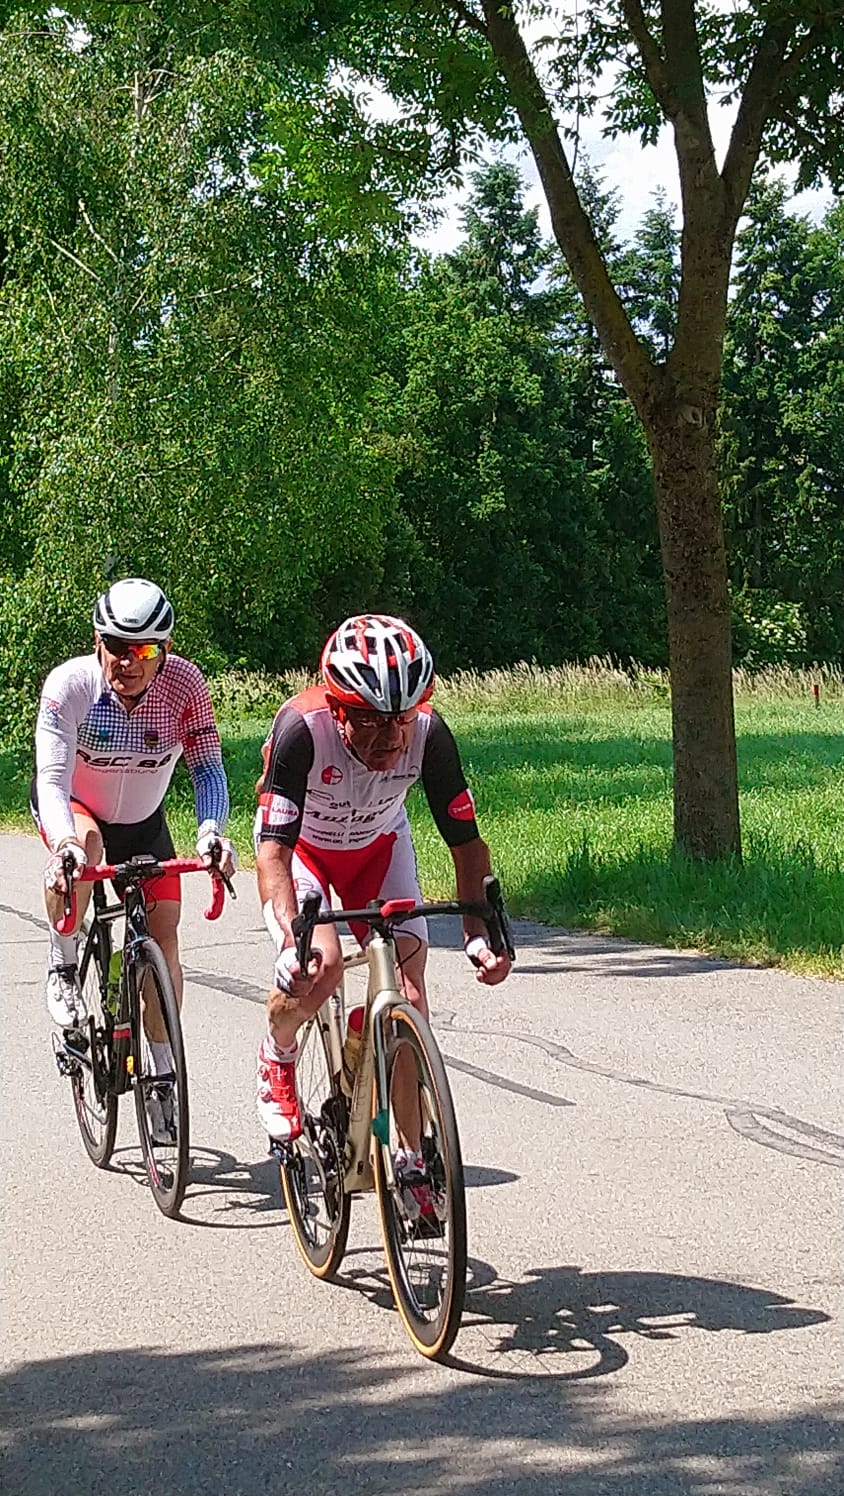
[[106, 1056]]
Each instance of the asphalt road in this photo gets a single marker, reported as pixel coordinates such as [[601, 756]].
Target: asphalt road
[[653, 1154]]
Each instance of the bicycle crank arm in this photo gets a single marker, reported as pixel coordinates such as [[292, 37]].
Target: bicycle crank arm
[[68, 1064], [285, 1154]]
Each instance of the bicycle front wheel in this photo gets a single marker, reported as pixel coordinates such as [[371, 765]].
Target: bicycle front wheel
[[312, 1170], [95, 1104], [423, 1213], [161, 1101]]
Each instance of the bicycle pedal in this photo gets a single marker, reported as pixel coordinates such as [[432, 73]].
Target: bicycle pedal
[[65, 1064], [281, 1152]]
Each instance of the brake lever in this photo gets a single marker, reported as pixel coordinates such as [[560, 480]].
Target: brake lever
[[302, 926], [68, 869], [500, 934], [67, 919], [217, 872]]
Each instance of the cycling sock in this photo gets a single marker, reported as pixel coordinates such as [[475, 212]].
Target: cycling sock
[[160, 1057], [284, 1055], [62, 949]]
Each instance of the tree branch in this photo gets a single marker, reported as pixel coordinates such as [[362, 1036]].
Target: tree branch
[[572, 228], [771, 68], [804, 136], [684, 65], [803, 47], [81, 263], [655, 69], [99, 238], [675, 76], [55, 312], [469, 19]]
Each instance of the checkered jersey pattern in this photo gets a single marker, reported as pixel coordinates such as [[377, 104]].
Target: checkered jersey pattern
[[117, 764]]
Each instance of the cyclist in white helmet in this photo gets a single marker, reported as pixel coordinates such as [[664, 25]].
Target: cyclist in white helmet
[[338, 764], [111, 728]]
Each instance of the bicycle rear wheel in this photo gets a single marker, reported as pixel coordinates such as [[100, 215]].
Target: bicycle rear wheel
[[161, 1101], [95, 1104], [423, 1217], [312, 1167]]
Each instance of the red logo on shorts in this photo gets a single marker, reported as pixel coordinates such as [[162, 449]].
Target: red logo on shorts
[[332, 775], [462, 807]]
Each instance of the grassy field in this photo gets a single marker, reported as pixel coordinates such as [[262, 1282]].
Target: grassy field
[[571, 772]]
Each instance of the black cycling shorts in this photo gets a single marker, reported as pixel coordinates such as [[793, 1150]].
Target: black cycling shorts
[[122, 841]]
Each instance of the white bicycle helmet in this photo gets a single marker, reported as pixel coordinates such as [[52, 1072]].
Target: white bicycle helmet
[[134, 609], [377, 663]]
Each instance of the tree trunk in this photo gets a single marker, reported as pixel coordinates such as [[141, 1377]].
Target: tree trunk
[[676, 401], [706, 809]]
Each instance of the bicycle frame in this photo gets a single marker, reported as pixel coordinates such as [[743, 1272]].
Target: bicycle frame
[[365, 1122], [133, 908], [382, 991]]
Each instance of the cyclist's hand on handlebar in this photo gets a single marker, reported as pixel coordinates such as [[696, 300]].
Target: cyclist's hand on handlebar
[[288, 973], [54, 877], [217, 851], [490, 969]]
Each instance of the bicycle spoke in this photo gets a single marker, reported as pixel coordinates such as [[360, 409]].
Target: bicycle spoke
[[423, 1211], [161, 1100], [96, 1108], [311, 1167]]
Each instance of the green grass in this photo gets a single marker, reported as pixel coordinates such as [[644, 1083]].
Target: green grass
[[571, 771]]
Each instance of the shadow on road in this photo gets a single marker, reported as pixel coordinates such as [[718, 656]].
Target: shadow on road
[[562, 1322], [245, 1190], [559, 1314], [256, 1420]]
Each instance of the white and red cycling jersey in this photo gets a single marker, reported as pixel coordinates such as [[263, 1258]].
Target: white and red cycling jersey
[[118, 764], [317, 793], [347, 823]]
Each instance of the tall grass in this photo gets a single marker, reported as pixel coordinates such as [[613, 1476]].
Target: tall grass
[[572, 773]]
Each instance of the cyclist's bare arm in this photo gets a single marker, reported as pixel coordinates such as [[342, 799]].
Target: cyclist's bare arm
[[275, 884], [471, 865], [279, 905]]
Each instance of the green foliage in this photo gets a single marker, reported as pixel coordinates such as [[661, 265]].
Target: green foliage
[[521, 528], [571, 771], [649, 276], [187, 360], [782, 455], [218, 366], [767, 630]]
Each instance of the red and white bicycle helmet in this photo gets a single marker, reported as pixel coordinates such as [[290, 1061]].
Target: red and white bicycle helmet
[[377, 663]]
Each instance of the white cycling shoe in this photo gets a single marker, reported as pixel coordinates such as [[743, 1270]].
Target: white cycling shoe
[[65, 1003]]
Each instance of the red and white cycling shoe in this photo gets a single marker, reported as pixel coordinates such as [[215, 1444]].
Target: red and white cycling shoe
[[277, 1102]]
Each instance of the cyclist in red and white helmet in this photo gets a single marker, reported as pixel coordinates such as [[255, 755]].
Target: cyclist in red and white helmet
[[378, 662], [338, 765]]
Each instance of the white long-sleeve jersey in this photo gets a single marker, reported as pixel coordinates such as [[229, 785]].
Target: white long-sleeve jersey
[[118, 764]]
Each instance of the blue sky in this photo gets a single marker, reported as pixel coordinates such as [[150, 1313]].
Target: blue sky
[[634, 170]]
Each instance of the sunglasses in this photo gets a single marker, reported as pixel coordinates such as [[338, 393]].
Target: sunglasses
[[119, 648], [378, 721]]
